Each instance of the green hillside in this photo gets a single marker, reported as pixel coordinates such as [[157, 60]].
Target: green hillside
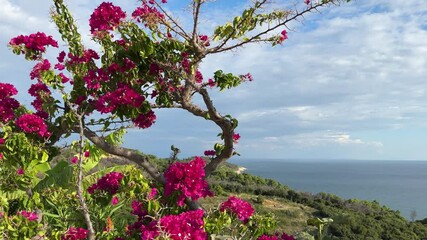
[[352, 219]]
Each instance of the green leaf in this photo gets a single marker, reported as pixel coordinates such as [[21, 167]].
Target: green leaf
[[60, 176], [43, 167]]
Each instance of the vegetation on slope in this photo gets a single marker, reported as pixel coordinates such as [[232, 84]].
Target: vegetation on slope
[[352, 219]]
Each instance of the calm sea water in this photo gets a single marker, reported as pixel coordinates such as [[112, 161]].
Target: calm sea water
[[400, 185]]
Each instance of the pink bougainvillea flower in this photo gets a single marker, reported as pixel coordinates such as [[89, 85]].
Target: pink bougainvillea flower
[[20, 171], [283, 36], [307, 2], [138, 209], [145, 120], [246, 77], [31, 216], [188, 179], [149, 231], [236, 137], [61, 57], [87, 154], [285, 236], [152, 194], [242, 209], [38, 88], [211, 83], [124, 96], [148, 14], [210, 153], [64, 79], [59, 66], [198, 77], [187, 225], [31, 123], [108, 183], [114, 201], [277, 236], [39, 68], [106, 17], [7, 103], [205, 40], [7, 90], [74, 160], [36, 41], [267, 237], [1, 140], [75, 234]]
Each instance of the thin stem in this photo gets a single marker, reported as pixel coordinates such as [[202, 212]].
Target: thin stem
[[80, 195], [196, 11], [182, 32], [256, 37], [224, 42]]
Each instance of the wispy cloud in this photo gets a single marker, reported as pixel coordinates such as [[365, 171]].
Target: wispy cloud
[[354, 70]]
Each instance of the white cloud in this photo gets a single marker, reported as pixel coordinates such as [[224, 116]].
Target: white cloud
[[352, 69], [323, 138]]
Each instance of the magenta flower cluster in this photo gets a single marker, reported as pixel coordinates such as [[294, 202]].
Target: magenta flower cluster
[[236, 137], [88, 56], [40, 91], [246, 77], [145, 120], [283, 36], [210, 153], [152, 194], [108, 183], [146, 13], [277, 236], [242, 209], [36, 42], [75, 234], [39, 68], [31, 216], [205, 40], [138, 209], [187, 225], [198, 77], [123, 96], [31, 123], [7, 103], [106, 17], [188, 179]]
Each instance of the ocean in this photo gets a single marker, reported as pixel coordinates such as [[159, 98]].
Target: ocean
[[400, 185]]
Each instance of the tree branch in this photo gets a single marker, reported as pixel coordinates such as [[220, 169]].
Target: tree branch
[[225, 41], [136, 158], [80, 194], [182, 32], [256, 38], [126, 153], [196, 11]]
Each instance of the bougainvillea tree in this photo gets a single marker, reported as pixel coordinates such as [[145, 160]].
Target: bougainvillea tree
[[147, 61]]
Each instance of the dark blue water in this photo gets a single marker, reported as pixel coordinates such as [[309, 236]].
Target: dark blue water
[[400, 185]]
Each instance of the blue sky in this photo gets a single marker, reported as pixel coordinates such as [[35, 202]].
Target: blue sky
[[350, 82]]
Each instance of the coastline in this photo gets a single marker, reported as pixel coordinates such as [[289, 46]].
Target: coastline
[[241, 170]]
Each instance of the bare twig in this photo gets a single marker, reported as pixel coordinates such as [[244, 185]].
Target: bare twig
[[85, 210], [126, 153], [256, 37], [182, 32], [196, 11]]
